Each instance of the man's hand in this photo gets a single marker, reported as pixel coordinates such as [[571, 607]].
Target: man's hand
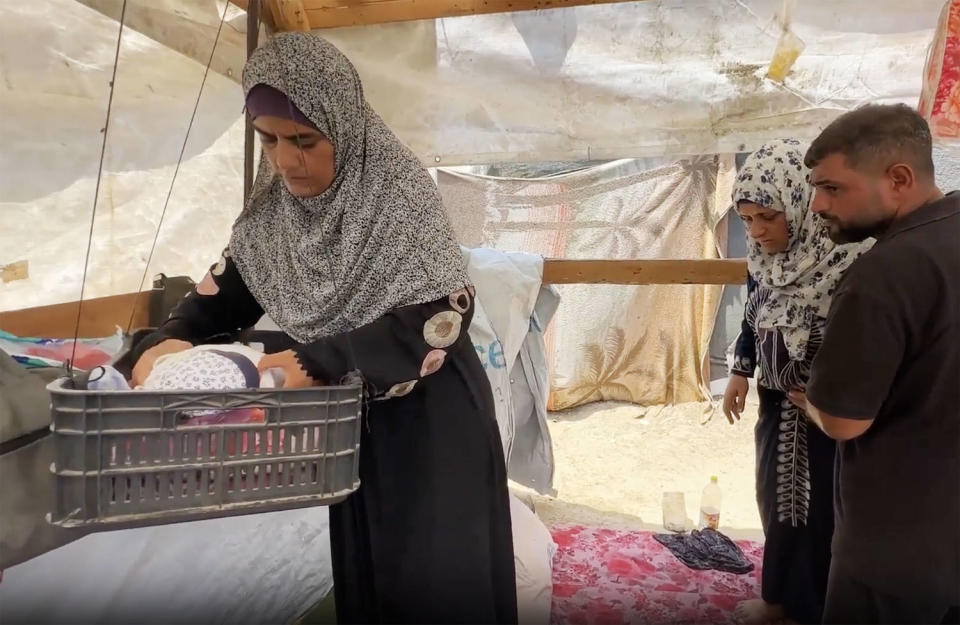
[[294, 375], [799, 399], [837, 428], [141, 371]]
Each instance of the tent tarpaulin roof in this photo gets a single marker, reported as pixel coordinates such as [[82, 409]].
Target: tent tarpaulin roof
[[592, 82], [632, 79]]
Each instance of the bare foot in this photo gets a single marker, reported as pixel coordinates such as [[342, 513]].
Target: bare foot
[[758, 612]]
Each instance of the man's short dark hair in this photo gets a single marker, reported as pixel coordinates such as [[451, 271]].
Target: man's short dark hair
[[877, 136]]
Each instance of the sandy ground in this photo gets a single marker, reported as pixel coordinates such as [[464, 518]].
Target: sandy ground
[[614, 461]]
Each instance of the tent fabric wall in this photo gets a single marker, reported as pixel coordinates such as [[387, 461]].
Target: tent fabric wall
[[644, 344]]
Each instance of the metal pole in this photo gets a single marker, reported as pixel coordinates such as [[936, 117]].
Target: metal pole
[[253, 36]]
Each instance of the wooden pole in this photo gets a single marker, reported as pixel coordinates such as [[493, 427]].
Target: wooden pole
[[253, 38], [265, 17]]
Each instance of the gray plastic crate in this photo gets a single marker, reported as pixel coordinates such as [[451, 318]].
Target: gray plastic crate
[[129, 459]]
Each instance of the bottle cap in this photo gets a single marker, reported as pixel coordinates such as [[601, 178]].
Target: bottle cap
[[713, 478]]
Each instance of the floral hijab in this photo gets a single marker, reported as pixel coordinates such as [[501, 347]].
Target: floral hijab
[[802, 279]]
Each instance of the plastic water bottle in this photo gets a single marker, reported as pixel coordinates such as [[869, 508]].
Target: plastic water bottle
[[710, 504]]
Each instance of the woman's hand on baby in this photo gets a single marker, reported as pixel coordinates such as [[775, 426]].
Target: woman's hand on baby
[[145, 365], [294, 375]]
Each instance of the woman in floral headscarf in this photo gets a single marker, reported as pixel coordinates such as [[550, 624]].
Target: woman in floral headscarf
[[794, 270]]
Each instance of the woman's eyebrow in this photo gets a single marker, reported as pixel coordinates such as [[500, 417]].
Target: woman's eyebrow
[[303, 136], [294, 138]]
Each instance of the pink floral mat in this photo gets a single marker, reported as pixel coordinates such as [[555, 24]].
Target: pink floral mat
[[603, 576]]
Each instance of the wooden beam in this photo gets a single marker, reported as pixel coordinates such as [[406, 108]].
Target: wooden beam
[[337, 13], [289, 15], [732, 271], [101, 316], [190, 30], [98, 318]]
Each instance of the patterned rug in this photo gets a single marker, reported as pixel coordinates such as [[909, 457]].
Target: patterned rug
[[605, 577]]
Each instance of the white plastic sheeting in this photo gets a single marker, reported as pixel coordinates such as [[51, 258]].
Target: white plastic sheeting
[[56, 58], [633, 79], [651, 78], [265, 568]]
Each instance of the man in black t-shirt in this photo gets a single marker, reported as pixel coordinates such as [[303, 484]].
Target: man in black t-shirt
[[886, 382]]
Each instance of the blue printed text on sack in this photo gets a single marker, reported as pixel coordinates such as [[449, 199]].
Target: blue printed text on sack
[[491, 355]]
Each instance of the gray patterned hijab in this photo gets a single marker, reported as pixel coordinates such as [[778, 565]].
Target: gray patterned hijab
[[802, 279], [376, 240]]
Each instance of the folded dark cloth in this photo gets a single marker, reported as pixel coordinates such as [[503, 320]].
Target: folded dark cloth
[[706, 550]]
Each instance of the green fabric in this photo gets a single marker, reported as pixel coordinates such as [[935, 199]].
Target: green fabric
[[324, 613], [26, 483]]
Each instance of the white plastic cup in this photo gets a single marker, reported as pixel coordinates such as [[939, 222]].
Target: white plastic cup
[[674, 511]]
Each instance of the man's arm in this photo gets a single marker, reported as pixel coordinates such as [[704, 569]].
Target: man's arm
[[837, 428], [863, 345]]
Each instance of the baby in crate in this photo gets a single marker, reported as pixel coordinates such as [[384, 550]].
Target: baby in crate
[[200, 368], [206, 368]]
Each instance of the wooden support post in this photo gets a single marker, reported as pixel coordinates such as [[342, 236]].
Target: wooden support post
[[253, 38], [265, 17]]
